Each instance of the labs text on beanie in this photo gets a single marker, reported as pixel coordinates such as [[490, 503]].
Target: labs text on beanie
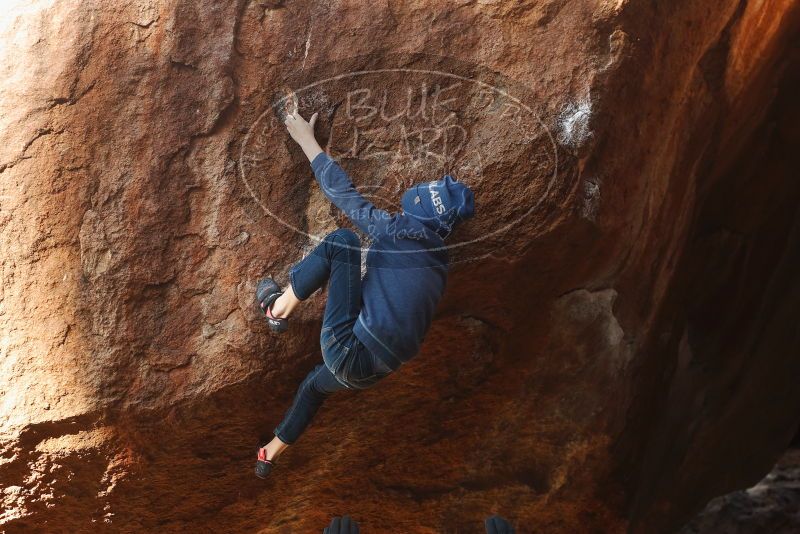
[[440, 205]]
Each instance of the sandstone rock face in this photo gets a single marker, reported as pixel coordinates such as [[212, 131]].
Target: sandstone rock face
[[618, 342]]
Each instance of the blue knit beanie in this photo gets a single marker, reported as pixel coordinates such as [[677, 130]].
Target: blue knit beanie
[[440, 204]]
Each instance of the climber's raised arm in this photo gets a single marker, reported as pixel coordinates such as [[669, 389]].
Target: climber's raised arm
[[334, 181]]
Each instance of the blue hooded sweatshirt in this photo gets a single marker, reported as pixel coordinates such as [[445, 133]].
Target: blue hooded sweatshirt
[[406, 263]]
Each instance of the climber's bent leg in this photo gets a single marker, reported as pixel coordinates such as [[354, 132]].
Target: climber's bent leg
[[313, 391], [338, 250], [344, 285], [310, 273], [347, 358]]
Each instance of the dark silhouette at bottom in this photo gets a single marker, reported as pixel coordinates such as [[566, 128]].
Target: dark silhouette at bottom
[[345, 525]]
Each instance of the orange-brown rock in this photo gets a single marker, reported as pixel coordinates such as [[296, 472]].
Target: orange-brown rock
[[618, 343]]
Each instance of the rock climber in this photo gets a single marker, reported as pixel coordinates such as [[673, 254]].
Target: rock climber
[[369, 328]]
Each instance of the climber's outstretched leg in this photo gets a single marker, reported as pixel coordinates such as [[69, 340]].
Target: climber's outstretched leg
[[313, 391], [336, 259]]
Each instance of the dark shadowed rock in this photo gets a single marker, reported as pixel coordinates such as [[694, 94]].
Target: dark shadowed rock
[[772, 505]]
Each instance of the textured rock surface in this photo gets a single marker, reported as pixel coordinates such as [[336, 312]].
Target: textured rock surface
[[620, 364], [772, 505]]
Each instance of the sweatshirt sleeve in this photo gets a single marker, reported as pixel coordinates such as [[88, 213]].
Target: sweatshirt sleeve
[[339, 189]]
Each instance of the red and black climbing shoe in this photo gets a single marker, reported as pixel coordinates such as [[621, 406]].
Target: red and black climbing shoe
[[267, 292], [263, 466]]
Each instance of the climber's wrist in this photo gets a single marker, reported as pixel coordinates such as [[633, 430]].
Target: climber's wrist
[[310, 148]]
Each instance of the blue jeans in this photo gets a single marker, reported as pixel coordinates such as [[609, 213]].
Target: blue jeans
[[347, 363]]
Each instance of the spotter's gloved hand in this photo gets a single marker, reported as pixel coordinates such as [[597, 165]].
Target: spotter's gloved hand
[[341, 525], [497, 525]]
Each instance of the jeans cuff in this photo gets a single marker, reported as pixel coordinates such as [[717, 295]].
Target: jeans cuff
[[277, 433]]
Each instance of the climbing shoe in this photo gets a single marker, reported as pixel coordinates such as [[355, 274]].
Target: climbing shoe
[[267, 292], [263, 466]]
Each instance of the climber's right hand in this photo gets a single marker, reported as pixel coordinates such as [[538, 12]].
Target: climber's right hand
[[301, 130]]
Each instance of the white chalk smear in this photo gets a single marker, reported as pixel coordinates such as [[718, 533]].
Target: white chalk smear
[[573, 123], [308, 45]]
